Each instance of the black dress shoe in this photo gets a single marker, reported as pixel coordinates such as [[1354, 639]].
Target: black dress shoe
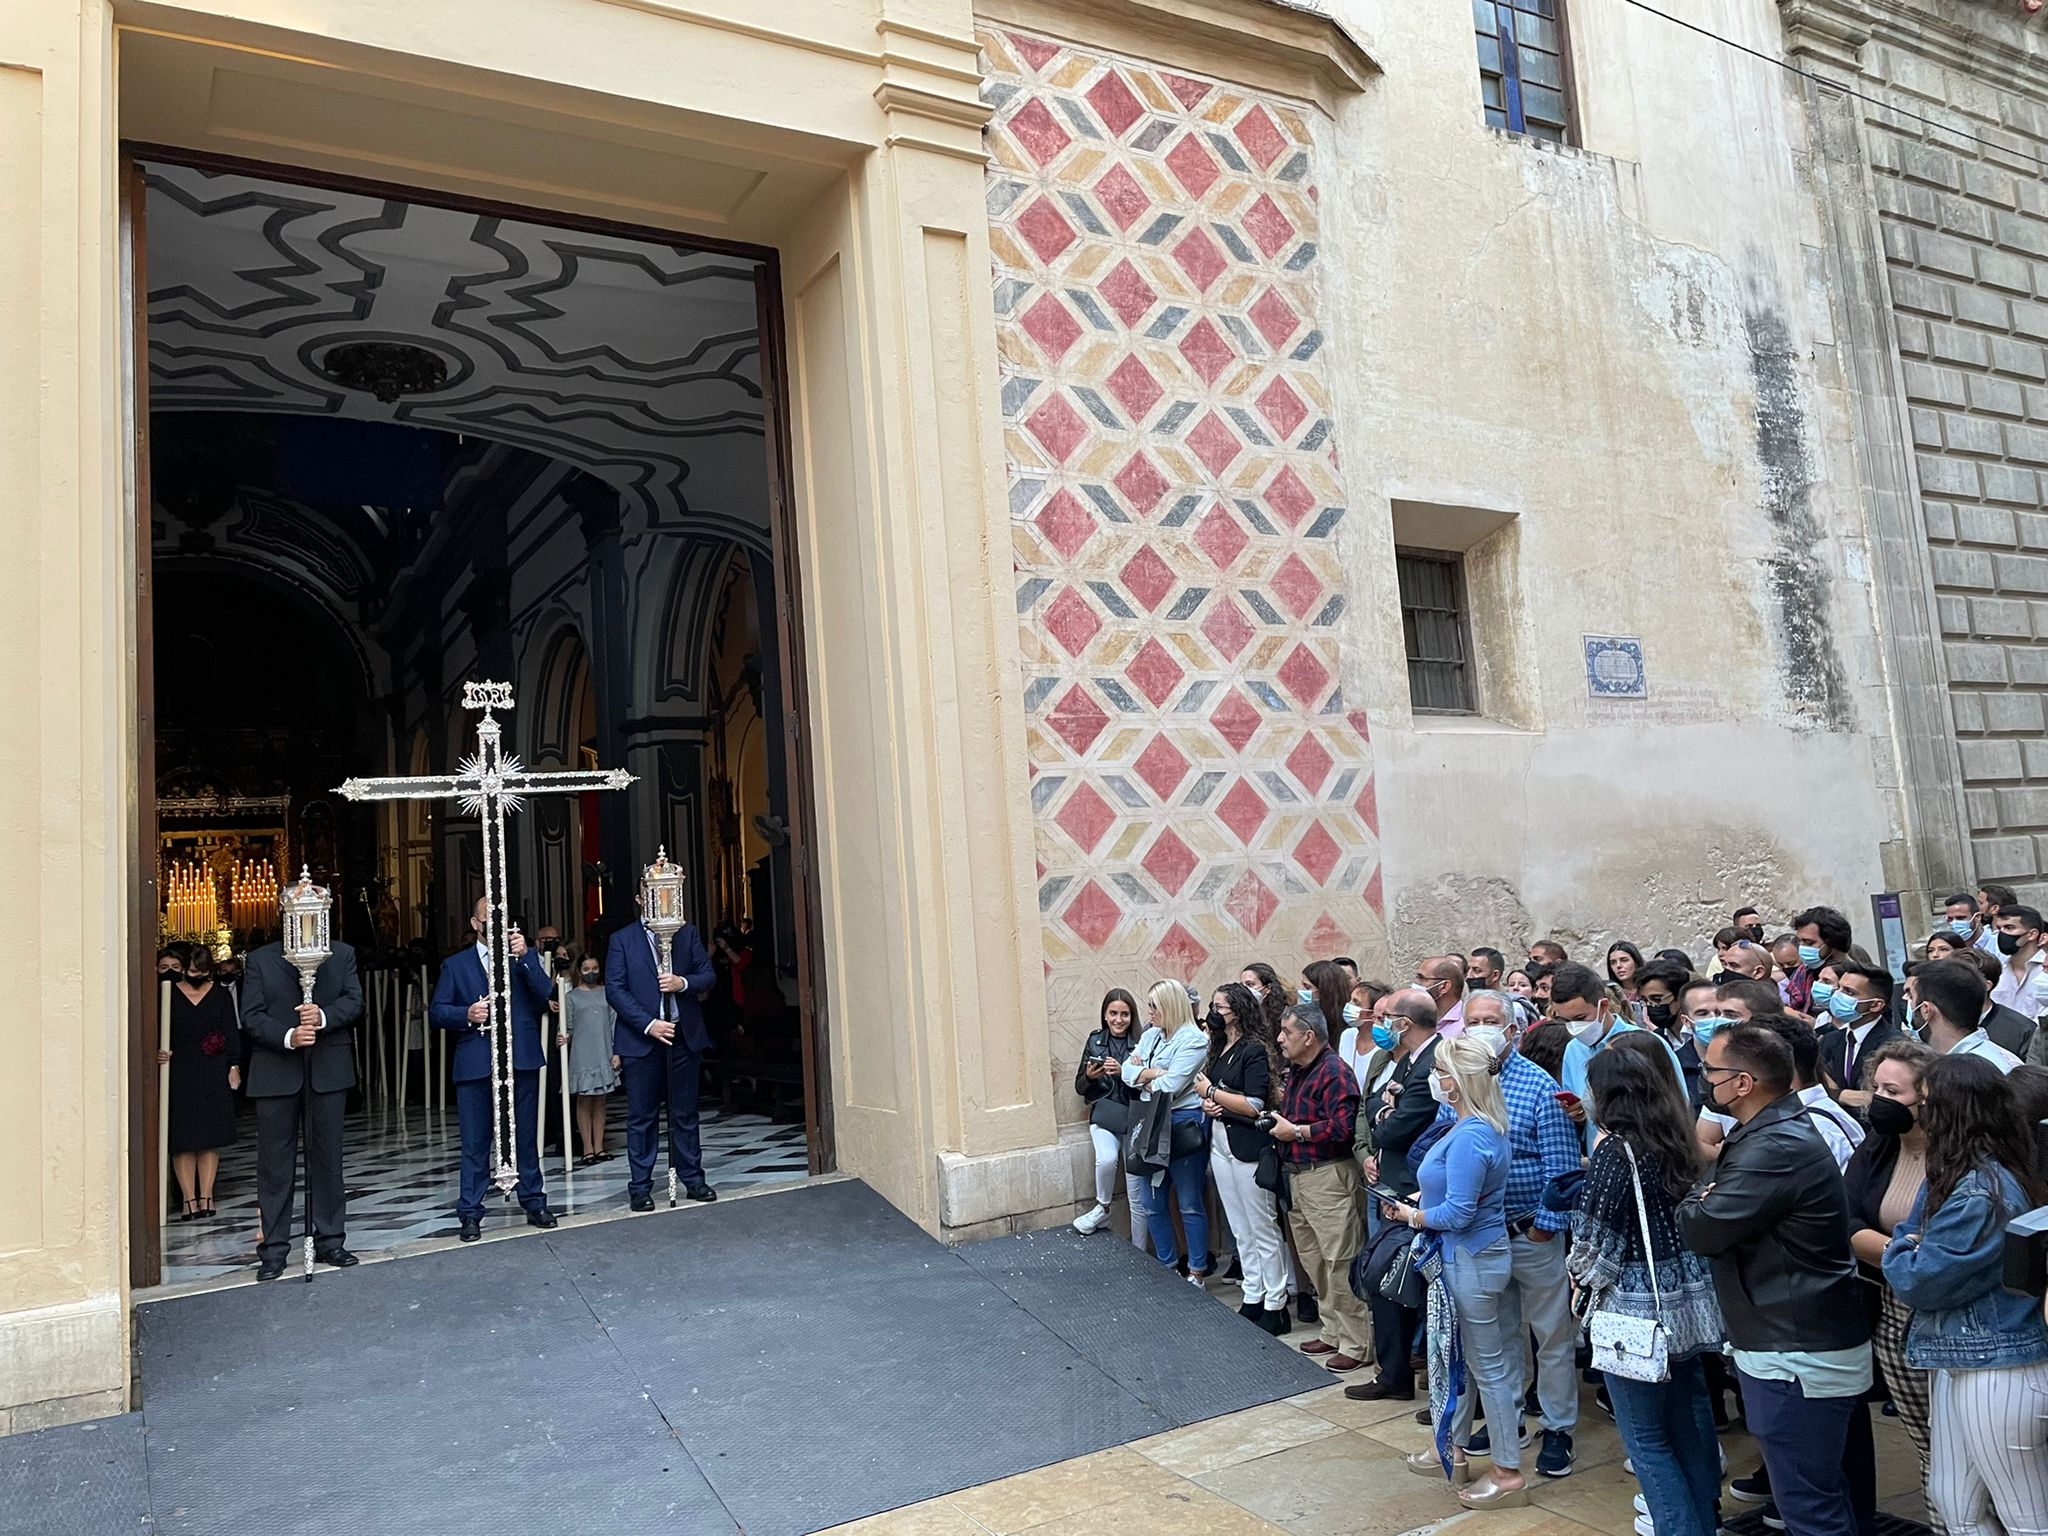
[[472, 1228], [1378, 1391], [643, 1202], [542, 1218], [700, 1191], [269, 1269], [338, 1258]]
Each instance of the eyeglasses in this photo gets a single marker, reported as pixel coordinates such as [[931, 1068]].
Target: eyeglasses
[[1724, 1071]]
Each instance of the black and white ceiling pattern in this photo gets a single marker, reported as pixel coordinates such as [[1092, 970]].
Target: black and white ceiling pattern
[[635, 361]]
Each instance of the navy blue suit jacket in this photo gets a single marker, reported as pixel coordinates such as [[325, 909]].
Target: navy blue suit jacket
[[462, 982], [631, 986]]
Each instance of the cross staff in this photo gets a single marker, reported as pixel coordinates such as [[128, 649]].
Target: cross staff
[[489, 786]]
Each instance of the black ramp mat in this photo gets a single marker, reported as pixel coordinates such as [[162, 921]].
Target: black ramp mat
[[912, 1375], [1173, 1348], [80, 1480], [469, 1391]]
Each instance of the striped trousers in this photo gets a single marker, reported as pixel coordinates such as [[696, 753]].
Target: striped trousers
[[1989, 1451]]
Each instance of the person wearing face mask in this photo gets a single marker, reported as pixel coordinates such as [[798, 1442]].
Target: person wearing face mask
[[1484, 969], [1961, 922], [1748, 924], [1264, 982], [586, 1031], [1991, 900], [2023, 984], [1542, 1148], [2006, 1028], [1946, 999], [1822, 935], [1820, 990], [1356, 1047], [1698, 1018], [1580, 1003], [1884, 1179], [1238, 1085], [1861, 1010]]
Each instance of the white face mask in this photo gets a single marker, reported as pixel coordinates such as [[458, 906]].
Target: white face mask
[[1492, 1036], [1353, 1013], [1437, 1090], [1588, 1030]]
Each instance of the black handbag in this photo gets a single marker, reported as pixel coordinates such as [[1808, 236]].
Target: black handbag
[[1388, 1267], [1272, 1176], [1148, 1142]]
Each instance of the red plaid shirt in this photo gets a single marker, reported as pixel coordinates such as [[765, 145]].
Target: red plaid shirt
[[1322, 1098]]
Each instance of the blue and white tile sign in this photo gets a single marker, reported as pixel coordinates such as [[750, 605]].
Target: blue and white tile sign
[[1614, 667]]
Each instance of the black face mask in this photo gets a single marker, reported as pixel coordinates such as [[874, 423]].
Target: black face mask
[[1888, 1117], [1661, 1014], [1215, 1020], [590, 978], [1751, 933], [2009, 943]]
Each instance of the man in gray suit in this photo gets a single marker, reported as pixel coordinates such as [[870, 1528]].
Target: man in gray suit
[[301, 1068]]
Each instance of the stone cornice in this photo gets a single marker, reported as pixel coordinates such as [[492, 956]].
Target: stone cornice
[[1977, 38], [930, 90]]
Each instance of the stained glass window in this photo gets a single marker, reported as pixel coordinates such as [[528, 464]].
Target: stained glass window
[[1521, 66], [1435, 631]]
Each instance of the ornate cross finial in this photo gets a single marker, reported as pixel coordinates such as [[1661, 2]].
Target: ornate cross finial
[[486, 696]]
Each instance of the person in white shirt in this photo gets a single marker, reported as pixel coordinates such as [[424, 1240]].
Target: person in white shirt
[[1991, 899], [2024, 986], [1967, 925], [1947, 998]]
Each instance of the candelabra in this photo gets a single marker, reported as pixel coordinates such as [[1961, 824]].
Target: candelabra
[[304, 913]]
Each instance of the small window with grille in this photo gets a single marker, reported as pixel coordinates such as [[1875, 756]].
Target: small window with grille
[[1436, 631], [1522, 67]]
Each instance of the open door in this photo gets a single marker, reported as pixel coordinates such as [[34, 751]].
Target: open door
[[145, 1097]]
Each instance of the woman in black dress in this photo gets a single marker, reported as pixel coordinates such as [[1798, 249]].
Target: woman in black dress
[[205, 1057]]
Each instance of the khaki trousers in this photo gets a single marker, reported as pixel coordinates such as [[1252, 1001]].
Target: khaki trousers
[[1328, 1223]]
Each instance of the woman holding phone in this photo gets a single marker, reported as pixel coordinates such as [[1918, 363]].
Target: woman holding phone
[[1102, 1089]]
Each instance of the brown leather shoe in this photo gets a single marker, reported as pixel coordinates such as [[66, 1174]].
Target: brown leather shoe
[[1318, 1347], [1342, 1363]]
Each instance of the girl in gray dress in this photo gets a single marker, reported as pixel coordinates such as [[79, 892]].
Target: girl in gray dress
[[593, 1069]]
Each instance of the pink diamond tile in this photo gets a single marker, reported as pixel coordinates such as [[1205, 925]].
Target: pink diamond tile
[[1127, 293], [1093, 915], [1114, 104], [1282, 408], [1201, 258], [1036, 51], [1356, 720], [1180, 954], [1085, 817], [1243, 810], [1304, 676], [1236, 719], [1220, 538], [1077, 719], [1052, 325], [1189, 93], [1261, 138], [1064, 523], [1368, 807], [1328, 937], [1275, 318], [1039, 132], [1251, 903], [1132, 386], [1192, 166], [1206, 350], [1154, 672], [1058, 427], [1121, 197], [1169, 861], [1141, 483], [1069, 620], [1317, 852], [1147, 577], [1271, 230], [1296, 586], [1214, 443], [1375, 894], [1162, 767], [1289, 499], [1227, 628], [1045, 229], [1310, 762]]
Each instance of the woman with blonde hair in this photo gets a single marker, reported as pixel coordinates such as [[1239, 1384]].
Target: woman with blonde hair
[[1169, 1055], [1463, 1209]]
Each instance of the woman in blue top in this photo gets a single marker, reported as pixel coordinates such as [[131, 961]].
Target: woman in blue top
[[1170, 1053], [1464, 1183], [1987, 1350]]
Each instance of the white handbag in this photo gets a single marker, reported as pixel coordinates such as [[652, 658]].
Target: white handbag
[[1636, 1348]]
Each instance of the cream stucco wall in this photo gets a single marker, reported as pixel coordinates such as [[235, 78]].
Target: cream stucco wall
[[1576, 343]]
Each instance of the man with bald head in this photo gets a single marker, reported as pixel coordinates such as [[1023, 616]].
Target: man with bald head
[[1441, 978], [1748, 960]]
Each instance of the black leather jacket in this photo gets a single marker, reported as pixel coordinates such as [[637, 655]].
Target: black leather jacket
[[1772, 1217]]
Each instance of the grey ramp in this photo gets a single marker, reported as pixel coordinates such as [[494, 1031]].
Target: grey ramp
[[470, 1391], [80, 1480], [1171, 1347], [917, 1377]]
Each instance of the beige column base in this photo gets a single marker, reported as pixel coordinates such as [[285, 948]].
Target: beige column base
[[62, 1364], [1022, 1191]]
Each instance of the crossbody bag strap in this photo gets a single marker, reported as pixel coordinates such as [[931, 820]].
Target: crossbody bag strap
[[1643, 1220]]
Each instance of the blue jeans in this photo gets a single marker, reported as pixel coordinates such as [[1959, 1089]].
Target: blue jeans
[[1186, 1177], [1818, 1450], [1478, 1282], [1667, 1428]]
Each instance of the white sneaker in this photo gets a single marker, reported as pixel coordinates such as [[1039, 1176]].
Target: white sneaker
[[1199, 1282], [1642, 1505], [1628, 1465], [1645, 1526], [1091, 1221]]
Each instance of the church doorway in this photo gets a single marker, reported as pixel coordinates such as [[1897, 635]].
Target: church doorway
[[395, 444]]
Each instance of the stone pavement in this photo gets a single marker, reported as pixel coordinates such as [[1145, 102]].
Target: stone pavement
[[1320, 1465]]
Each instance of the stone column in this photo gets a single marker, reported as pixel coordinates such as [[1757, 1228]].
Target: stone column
[[611, 678]]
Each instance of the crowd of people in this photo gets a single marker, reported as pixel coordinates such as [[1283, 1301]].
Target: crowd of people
[[1772, 1190]]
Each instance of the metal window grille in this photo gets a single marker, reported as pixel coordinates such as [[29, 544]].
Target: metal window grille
[[1436, 632], [1522, 67]]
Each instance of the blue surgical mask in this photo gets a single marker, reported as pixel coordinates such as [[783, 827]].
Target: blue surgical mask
[[1304, 995], [1809, 955], [1844, 1007], [1383, 1036], [1959, 926], [1708, 1025], [1352, 1013], [1822, 993]]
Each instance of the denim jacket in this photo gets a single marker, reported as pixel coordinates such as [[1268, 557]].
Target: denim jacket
[[1962, 1319]]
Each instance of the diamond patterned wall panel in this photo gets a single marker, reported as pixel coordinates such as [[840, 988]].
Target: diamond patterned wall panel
[[1203, 795]]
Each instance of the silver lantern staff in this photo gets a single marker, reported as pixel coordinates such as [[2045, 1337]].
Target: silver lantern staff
[[305, 915], [661, 912], [489, 786]]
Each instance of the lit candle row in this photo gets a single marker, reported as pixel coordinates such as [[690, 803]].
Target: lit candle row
[[191, 905], [252, 895]]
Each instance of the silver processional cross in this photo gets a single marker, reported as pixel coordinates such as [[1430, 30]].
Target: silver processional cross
[[489, 786]]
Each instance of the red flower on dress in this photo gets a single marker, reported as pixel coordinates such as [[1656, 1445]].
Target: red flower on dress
[[214, 1044]]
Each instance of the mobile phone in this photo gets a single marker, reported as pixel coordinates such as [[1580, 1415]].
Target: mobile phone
[[1390, 1196], [1567, 1098]]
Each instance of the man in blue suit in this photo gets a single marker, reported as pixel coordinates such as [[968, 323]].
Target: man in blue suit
[[462, 1003], [660, 1042]]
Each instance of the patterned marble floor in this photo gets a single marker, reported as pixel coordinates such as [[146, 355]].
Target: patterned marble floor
[[401, 1172]]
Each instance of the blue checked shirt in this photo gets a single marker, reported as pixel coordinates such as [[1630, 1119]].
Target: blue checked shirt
[[1542, 1144]]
